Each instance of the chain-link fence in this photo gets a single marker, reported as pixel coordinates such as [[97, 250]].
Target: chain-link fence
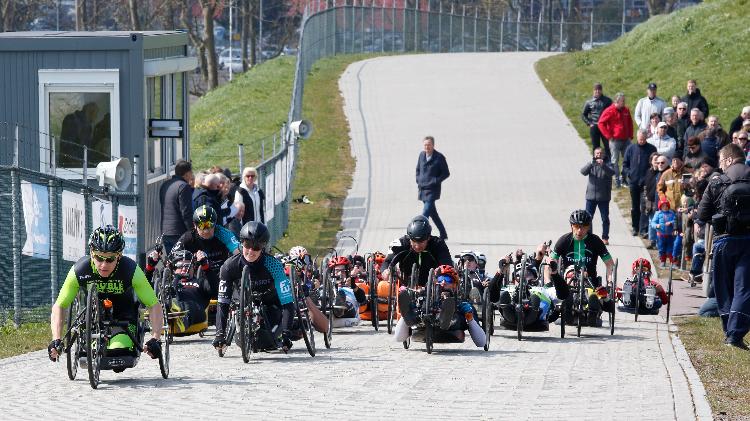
[[46, 215]]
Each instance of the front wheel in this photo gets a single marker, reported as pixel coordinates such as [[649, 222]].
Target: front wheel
[[94, 337], [488, 318], [307, 330], [245, 316], [164, 357], [73, 342]]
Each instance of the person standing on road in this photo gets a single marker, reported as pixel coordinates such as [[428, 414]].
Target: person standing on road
[[592, 110], [432, 170], [176, 200], [647, 106], [616, 124], [725, 205], [599, 189], [636, 163]]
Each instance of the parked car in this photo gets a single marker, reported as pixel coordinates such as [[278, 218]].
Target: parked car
[[235, 60]]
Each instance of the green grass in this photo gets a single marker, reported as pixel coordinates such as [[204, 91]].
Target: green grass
[[29, 337], [253, 106], [325, 165], [704, 42], [724, 371]]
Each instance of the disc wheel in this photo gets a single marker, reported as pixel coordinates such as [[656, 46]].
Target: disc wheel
[[245, 314], [73, 340], [94, 337]]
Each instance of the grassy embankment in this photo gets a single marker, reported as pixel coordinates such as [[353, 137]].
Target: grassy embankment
[[704, 43]]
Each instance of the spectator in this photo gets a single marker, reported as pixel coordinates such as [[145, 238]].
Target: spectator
[[635, 164], [652, 193], [252, 197], [648, 105], [710, 143], [742, 141], [694, 157], [664, 144], [209, 194], [737, 122], [675, 101], [653, 122], [731, 246], [592, 110], [697, 125], [229, 209], [670, 183], [198, 182], [599, 189], [175, 199], [616, 124], [722, 137], [665, 223], [671, 119], [694, 99], [647, 206], [432, 170]]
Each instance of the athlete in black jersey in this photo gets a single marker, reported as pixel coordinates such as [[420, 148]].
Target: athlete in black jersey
[[269, 281]]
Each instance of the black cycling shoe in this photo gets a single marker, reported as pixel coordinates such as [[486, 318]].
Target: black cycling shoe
[[406, 309], [447, 310]]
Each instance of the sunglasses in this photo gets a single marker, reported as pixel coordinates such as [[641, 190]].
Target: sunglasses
[[101, 259], [252, 245], [580, 225], [251, 175], [204, 225]]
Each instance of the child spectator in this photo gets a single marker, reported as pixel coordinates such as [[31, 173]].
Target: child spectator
[[664, 224]]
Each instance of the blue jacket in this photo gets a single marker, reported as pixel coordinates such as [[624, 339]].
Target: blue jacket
[[430, 175], [661, 218], [636, 162]]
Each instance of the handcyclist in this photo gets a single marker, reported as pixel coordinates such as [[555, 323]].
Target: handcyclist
[[427, 251], [581, 247], [191, 295], [268, 280], [349, 296], [540, 299], [653, 292], [209, 242], [479, 281], [117, 277]]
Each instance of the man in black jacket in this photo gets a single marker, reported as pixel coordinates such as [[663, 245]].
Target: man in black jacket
[[694, 98], [209, 194], [731, 245], [432, 170], [635, 164], [175, 198], [599, 189], [737, 122], [592, 109]]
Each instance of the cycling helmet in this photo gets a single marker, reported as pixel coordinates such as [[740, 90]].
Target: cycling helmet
[[181, 261], [379, 257], [107, 240], [419, 229], [531, 271], [339, 261], [469, 254], [297, 252], [580, 217], [569, 273], [204, 214], [395, 243], [358, 260], [482, 260], [255, 234], [446, 270], [646, 264]]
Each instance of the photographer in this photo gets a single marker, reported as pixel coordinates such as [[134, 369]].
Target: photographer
[[599, 188]]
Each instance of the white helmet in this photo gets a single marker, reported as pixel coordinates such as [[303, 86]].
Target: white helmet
[[468, 253], [297, 252]]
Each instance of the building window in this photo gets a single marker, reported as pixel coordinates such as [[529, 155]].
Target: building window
[[155, 110], [178, 149], [79, 110]]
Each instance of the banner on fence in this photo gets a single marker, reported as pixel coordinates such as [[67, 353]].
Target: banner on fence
[[36, 215], [127, 223], [269, 197], [74, 225], [101, 213], [278, 182]]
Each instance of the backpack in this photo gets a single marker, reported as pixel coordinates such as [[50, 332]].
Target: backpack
[[735, 206]]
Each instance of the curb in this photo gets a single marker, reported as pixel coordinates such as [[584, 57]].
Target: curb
[[701, 407]]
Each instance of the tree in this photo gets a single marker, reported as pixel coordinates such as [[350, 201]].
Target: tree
[[658, 7]]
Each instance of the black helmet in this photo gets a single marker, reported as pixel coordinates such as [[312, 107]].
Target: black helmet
[[107, 240], [180, 255], [419, 229], [256, 234], [204, 214], [580, 217]]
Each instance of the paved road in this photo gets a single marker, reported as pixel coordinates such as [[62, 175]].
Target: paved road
[[515, 163]]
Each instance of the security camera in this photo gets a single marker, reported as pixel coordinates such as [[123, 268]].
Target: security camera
[[302, 129], [117, 173]]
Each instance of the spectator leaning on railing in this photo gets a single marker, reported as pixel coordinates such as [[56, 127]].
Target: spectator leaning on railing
[[616, 124]]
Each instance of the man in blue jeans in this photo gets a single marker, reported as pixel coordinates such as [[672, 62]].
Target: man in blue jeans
[[432, 170], [599, 188]]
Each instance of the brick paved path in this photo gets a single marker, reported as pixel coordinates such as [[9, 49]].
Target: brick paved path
[[515, 163]]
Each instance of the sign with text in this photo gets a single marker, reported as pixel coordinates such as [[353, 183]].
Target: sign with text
[[127, 224], [269, 197], [164, 128], [36, 215], [101, 213], [74, 226]]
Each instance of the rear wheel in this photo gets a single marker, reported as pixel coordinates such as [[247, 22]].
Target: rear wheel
[[613, 297], [164, 357], [245, 314], [391, 302], [488, 318], [328, 300], [521, 294], [638, 282], [94, 337], [373, 281], [73, 340], [669, 293], [581, 297]]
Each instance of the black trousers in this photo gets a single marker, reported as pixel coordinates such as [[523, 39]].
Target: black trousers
[[598, 140]]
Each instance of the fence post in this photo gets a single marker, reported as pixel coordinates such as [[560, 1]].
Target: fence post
[[502, 24], [335, 13], [450, 30], [382, 26], [403, 30], [440, 27], [518, 31], [539, 28], [15, 188], [463, 29], [372, 25], [416, 26], [393, 26], [362, 19], [562, 22], [623, 18], [487, 30], [53, 257], [476, 16], [241, 151], [85, 165], [591, 30]]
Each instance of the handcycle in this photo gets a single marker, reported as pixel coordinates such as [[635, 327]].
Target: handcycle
[[90, 327], [640, 297], [576, 305]]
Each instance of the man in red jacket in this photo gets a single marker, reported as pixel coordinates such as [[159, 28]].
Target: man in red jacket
[[616, 124]]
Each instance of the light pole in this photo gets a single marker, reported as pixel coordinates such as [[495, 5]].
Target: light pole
[[231, 57], [260, 31]]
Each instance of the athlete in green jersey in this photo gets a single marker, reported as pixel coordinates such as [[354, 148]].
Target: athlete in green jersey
[[117, 277]]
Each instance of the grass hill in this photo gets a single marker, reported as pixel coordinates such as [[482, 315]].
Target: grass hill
[[706, 42]]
